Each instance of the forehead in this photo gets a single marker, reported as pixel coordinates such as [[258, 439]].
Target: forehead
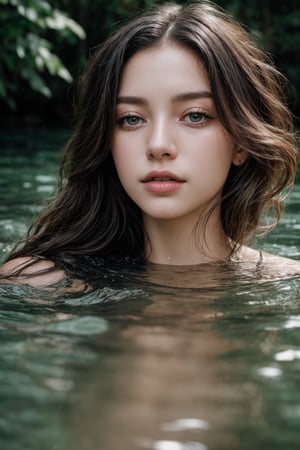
[[169, 65]]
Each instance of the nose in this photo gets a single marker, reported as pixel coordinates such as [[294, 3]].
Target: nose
[[161, 145]]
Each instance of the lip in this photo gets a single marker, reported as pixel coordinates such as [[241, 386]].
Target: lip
[[158, 175], [162, 181]]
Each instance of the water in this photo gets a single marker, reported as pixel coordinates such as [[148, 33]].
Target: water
[[170, 359]]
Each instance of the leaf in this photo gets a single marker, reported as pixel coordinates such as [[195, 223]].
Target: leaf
[[35, 81], [76, 28], [65, 74], [25, 52], [20, 51], [44, 6], [29, 13], [60, 21]]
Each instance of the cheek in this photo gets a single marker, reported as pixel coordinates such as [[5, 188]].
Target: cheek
[[125, 153], [117, 154], [224, 151], [114, 147], [120, 146], [119, 166], [123, 165], [215, 161]]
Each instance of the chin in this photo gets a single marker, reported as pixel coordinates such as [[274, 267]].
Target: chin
[[163, 216]]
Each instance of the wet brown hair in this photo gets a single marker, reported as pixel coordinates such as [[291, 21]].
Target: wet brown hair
[[92, 214]]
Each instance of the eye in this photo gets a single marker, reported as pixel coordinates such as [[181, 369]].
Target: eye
[[196, 117], [130, 121]]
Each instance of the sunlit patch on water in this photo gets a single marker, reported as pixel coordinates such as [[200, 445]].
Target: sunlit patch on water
[[288, 355], [46, 189], [293, 322], [269, 372], [46, 179], [185, 424], [174, 445]]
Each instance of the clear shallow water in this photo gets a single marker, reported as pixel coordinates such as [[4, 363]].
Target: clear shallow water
[[150, 359]]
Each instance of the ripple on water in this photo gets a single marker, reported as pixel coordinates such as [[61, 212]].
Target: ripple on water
[[11, 229], [82, 326], [105, 295]]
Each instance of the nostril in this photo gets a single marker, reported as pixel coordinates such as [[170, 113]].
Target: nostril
[[160, 153]]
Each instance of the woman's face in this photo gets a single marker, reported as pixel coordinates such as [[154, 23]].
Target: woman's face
[[170, 150]]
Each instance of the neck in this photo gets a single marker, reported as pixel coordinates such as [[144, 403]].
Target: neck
[[172, 242]]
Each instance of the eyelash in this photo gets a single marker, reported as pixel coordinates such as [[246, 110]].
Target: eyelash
[[122, 121], [203, 115]]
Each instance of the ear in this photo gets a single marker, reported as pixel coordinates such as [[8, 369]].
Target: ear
[[239, 157]]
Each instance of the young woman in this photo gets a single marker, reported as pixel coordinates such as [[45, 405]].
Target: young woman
[[183, 145]]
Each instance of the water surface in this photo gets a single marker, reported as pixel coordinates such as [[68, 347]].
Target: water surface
[[151, 359]]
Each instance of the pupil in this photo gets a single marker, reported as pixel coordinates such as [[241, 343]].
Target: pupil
[[195, 117]]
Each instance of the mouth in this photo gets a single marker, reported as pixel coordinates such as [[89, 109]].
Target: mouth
[[162, 177], [162, 182]]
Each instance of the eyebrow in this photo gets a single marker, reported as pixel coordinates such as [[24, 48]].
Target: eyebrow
[[191, 96], [131, 100], [178, 98]]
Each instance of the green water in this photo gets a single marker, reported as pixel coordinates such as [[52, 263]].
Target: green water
[[140, 363]]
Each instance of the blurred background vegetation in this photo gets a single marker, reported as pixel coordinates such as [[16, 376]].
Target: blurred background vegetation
[[44, 46]]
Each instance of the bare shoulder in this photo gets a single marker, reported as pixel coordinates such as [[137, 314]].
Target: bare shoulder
[[282, 262], [40, 274], [272, 265], [36, 273]]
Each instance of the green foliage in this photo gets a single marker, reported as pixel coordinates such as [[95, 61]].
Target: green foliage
[[25, 53], [31, 29], [276, 27]]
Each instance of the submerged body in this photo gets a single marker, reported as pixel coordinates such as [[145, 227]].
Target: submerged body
[[248, 265]]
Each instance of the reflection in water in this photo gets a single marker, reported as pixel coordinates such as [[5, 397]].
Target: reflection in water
[[170, 359], [188, 357], [134, 365]]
